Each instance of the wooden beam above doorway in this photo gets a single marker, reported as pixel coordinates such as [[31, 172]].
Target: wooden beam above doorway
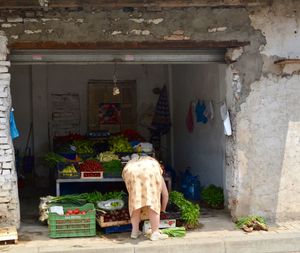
[[36, 4], [207, 44]]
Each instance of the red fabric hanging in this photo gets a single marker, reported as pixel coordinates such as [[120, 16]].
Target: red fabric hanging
[[189, 120]]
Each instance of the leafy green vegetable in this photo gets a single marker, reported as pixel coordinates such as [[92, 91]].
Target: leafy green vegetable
[[213, 195], [249, 220], [174, 232], [114, 195], [52, 159], [92, 197], [69, 199], [84, 146], [189, 212], [112, 168]]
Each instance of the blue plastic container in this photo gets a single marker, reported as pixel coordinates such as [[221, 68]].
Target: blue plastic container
[[190, 186]]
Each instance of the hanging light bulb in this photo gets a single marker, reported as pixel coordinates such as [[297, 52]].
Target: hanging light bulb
[[116, 90]]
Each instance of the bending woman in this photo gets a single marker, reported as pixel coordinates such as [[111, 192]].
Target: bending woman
[[145, 185]]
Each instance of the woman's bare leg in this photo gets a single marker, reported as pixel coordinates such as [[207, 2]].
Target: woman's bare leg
[[135, 220], [154, 220], [164, 196]]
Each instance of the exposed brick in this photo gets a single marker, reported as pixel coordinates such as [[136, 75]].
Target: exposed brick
[[8, 151], [29, 14], [5, 147], [3, 133], [3, 94], [137, 20], [30, 20], [4, 83], [15, 37], [3, 120], [6, 158], [3, 207], [116, 33], [15, 19], [4, 193], [7, 186], [155, 21], [5, 63], [7, 166], [217, 29], [5, 199], [5, 25], [178, 32], [176, 37], [33, 32], [5, 76]]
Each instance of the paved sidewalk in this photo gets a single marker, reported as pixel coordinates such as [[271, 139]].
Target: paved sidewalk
[[218, 235]]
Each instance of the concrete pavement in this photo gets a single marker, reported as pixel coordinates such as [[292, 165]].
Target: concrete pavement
[[218, 235]]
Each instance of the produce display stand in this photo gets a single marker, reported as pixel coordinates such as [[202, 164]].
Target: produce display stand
[[100, 180]]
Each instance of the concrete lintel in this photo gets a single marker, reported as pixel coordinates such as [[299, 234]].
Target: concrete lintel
[[34, 4]]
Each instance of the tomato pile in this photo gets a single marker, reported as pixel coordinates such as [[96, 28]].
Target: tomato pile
[[75, 212], [68, 138], [90, 166]]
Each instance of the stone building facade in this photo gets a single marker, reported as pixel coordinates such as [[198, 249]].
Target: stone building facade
[[9, 202], [262, 156]]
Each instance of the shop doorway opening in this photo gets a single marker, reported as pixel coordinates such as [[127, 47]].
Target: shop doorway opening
[[192, 78]]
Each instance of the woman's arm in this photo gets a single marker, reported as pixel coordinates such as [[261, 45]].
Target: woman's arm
[[164, 195]]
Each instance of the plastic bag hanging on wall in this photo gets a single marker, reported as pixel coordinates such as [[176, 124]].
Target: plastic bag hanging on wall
[[226, 119], [13, 128]]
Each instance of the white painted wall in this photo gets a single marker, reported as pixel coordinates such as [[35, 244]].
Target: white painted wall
[[202, 150]]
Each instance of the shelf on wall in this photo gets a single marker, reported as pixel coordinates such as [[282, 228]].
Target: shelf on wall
[[287, 61]]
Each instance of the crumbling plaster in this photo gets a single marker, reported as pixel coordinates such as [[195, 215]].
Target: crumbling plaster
[[267, 125], [259, 158]]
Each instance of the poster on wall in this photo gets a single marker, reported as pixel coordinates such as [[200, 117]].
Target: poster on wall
[[110, 113]]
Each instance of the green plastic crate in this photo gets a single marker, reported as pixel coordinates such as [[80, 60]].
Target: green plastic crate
[[79, 225]]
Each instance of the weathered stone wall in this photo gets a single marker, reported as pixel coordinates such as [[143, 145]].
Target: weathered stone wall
[[9, 203], [267, 125], [261, 156]]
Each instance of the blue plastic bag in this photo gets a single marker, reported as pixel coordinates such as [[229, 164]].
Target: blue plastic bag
[[13, 128], [190, 186]]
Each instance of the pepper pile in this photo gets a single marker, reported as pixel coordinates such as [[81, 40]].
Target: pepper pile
[[90, 166]]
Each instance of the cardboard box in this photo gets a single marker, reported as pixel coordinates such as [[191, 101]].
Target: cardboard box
[[167, 223]]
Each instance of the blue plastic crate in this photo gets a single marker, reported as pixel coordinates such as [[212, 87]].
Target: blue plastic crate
[[117, 229]]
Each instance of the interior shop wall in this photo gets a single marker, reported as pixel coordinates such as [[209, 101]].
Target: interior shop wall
[[73, 79], [203, 149], [21, 102]]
